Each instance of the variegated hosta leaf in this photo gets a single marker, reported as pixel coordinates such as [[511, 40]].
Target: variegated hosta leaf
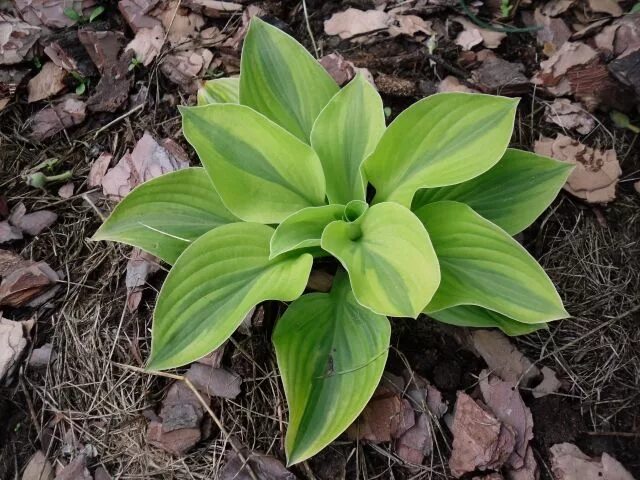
[[304, 229], [220, 90], [331, 353], [212, 287], [164, 215], [482, 265], [281, 80], [445, 139], [512, 194], [392, 266], [344, 134], [474, 316], [262, 173]]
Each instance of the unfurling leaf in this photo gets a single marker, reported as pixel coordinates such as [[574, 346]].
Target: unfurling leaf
[[386, 250], [331, 353], [164, 215], [212, 287], [482, 265], [445, 139]]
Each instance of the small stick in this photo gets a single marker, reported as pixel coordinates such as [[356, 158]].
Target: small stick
[[204, 404], [116, 120]]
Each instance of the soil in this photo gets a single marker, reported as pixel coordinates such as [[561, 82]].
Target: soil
[[591, 253]]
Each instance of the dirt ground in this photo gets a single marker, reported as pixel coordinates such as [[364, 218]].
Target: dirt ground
[[88, 395]]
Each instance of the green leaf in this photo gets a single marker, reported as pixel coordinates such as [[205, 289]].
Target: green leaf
[[72, 14], [331, 354], [80, 88], [512, 194], [212, 287], [220, 90], [164, 215], [445, 139], [96, 12], [304, 229], [344, 134], [386, 250], [281, 80], [262, 173], [478, 317], [482, 265]]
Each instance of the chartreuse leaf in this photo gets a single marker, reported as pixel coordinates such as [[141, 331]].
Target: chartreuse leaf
[[304, 229], [281, 80], [482, 265], [474, 316], [212, 287], [444, 139], [386, 250], [331, 353], [344, 134], [220, 90], [512, 194], [262, 173], [164, 215]]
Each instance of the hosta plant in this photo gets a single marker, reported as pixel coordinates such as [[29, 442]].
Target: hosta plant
[[419, 217]]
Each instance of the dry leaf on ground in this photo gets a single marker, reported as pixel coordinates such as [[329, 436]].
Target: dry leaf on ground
[[140, 265], [568, 462], [48, 82], [147, 160], [66, 190], [549, 384], [65, 50], [417, 442], [51, 12], [213, 8], [553, 72], [553, 34], [10, 81], [185, 67], [42, 357], [12, 345], [620, 38], [529, 471], [353, 22], [496, 75], [554, 8], [112, 91], [102, 46], [136, 13], [147, 44], [410, 25], [8, 232], [182, 25], [31, 223], [505, 402], [26, 283], [213, 359], [98, 169], [68, 112], [502, 357], [16, 39], [480, 440], [610, 7], [626, 69], [341, 70], [215, 382], [38, 468], [265, 467], [452, 84], [597, 171], [76, 469], [473, 35], [572, 116], [386, 416]]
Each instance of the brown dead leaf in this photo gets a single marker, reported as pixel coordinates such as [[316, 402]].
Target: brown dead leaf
[[410, 25], [549, 384], [597, 171], [341, 70], [66, 190], [25, 283], [473, 35], [553, 72], [213, 8], [48, 82], [31, 223], [529, 471], [38, 468], [112, 90], [140, 265], [489, 476], [502, 357], [265, 467], [620, 38], [76, 469], [353, 22], [626, 69], [213, 359], [147, 44], [42, 357], [452, 84], [386, 416], [68, 112], [102, 46], [610, 7], [8, 232], [98, 169], [505, 402], [554, 32], [235, 41], [181, 24], [136, 13], [10, 261], [215, 382], [50, 13], [496, 75], [101, 474], [569, 115], [185, 67], [480, 440], [556, 7], [16, 39], [12, 345], [568, 462], [417, 442], [66, 51], [10, 81], [147, 160]]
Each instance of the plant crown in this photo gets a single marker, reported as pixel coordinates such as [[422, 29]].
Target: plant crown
[[288, 157]]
